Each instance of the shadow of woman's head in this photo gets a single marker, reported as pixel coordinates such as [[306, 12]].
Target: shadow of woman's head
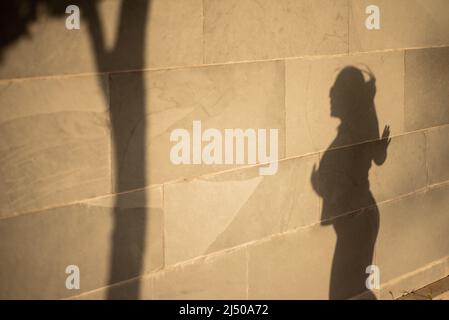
[[351, 95]]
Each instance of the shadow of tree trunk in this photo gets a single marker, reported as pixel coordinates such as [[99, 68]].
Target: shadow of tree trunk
[[128, 53]]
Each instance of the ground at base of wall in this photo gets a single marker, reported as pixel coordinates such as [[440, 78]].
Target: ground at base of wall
[[435, 291]]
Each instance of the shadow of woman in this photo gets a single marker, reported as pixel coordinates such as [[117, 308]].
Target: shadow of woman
[[342, 181]]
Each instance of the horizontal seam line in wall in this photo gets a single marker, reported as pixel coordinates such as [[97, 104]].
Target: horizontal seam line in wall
[[171, 267], [403, 277], [213, 174], [244, 246], [422, 190], [167, 68], [112, 285], [154, 274]]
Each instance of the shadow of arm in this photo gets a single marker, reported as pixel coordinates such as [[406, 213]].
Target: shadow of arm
[[380, 154]]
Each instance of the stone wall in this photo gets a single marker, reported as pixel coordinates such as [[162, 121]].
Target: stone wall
[[86, 178]]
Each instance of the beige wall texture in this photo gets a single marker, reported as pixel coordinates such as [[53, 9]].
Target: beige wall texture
[[86, 178]]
